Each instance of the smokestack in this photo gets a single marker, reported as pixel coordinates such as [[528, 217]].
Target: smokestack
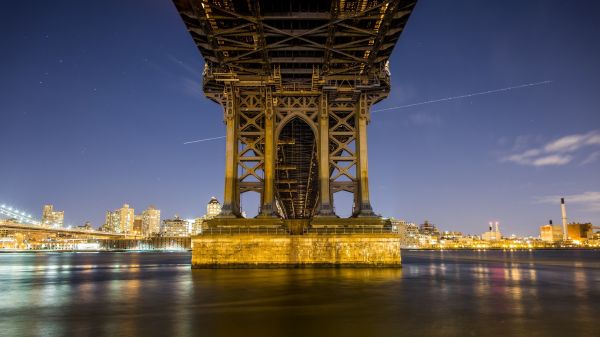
[[563, 209], [491, 228], [550, 222], [497, 230]]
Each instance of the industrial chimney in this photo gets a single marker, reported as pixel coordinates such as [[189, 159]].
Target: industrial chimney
[[564, 218]]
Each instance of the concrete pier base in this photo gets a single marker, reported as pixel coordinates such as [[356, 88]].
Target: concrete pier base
[[292, 251]]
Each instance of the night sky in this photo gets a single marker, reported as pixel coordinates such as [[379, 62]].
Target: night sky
[[98, 97]]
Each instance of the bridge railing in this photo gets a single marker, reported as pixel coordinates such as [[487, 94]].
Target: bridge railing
[[350, 230], [247, 230], [284, 231]]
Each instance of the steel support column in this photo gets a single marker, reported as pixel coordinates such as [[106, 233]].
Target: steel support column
[[325, 205], [231, 208], [268, 195], [363, 208]]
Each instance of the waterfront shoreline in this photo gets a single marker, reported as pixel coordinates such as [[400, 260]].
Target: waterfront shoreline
[[9, 251], [33, 251]]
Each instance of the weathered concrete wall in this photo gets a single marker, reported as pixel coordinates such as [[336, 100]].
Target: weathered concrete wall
[[312, 250]]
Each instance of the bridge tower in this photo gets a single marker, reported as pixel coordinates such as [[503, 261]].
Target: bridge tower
[[297, 80]]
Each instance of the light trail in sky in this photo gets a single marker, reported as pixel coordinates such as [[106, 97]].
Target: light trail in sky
[[203, 140], [425, 102], [465, 96]]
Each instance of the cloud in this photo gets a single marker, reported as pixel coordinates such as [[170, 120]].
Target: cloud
[[589, 200], [573, 142], [558, 152], [552, 160]]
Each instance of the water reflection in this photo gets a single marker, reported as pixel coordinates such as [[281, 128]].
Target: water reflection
[[449, 294]]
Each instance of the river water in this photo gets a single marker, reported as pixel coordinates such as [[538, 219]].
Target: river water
[[493, 293]]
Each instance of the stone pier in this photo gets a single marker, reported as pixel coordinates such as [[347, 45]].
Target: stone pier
[[279, 247], [285, 251]]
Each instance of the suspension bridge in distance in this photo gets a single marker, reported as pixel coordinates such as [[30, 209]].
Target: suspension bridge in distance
[[21, 231]]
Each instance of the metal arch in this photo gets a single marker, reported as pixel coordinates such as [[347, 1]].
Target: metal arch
[[289, 117], [296, 177]]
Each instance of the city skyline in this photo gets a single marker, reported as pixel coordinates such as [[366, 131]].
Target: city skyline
[[213, 208], [112, 107]]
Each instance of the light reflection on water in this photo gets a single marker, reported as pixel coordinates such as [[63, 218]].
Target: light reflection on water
[[550, 293]]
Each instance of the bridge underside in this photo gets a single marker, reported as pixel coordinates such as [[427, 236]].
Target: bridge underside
[[291, 41], [296, 181], [296, 80]]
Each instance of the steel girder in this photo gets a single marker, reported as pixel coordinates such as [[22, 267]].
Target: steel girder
[[254, 40]]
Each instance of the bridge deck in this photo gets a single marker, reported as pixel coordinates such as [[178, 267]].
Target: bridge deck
[[294, 41], [34, 228]]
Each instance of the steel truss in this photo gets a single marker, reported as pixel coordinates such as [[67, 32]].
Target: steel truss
[[297, 80]]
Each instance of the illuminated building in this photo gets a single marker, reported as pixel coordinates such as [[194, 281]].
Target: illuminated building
[[120, 220], [175, 227], [137, 224], [52, 218], [409, 233], [197, 225], [111, 223], [213, 208], [151, 221], [398, 225], [449, 235], [428, 228], [563, 210], [105, 227], [493, 234], [580, 231], [551, 233], [412, 229]]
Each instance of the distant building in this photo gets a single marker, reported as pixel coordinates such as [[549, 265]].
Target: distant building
[[551, 233], [580, 231], [213, 208], [197, 225], [120, 220], [412, 229], [137, 224], [452, 235], [409, 233], [493, 234], [87, 226], [175, 227], [105, 228], [427, 228], [52, 218], [151, 221]]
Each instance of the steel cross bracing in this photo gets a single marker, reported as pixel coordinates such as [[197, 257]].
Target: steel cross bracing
[[297, 80], [253, 40]]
